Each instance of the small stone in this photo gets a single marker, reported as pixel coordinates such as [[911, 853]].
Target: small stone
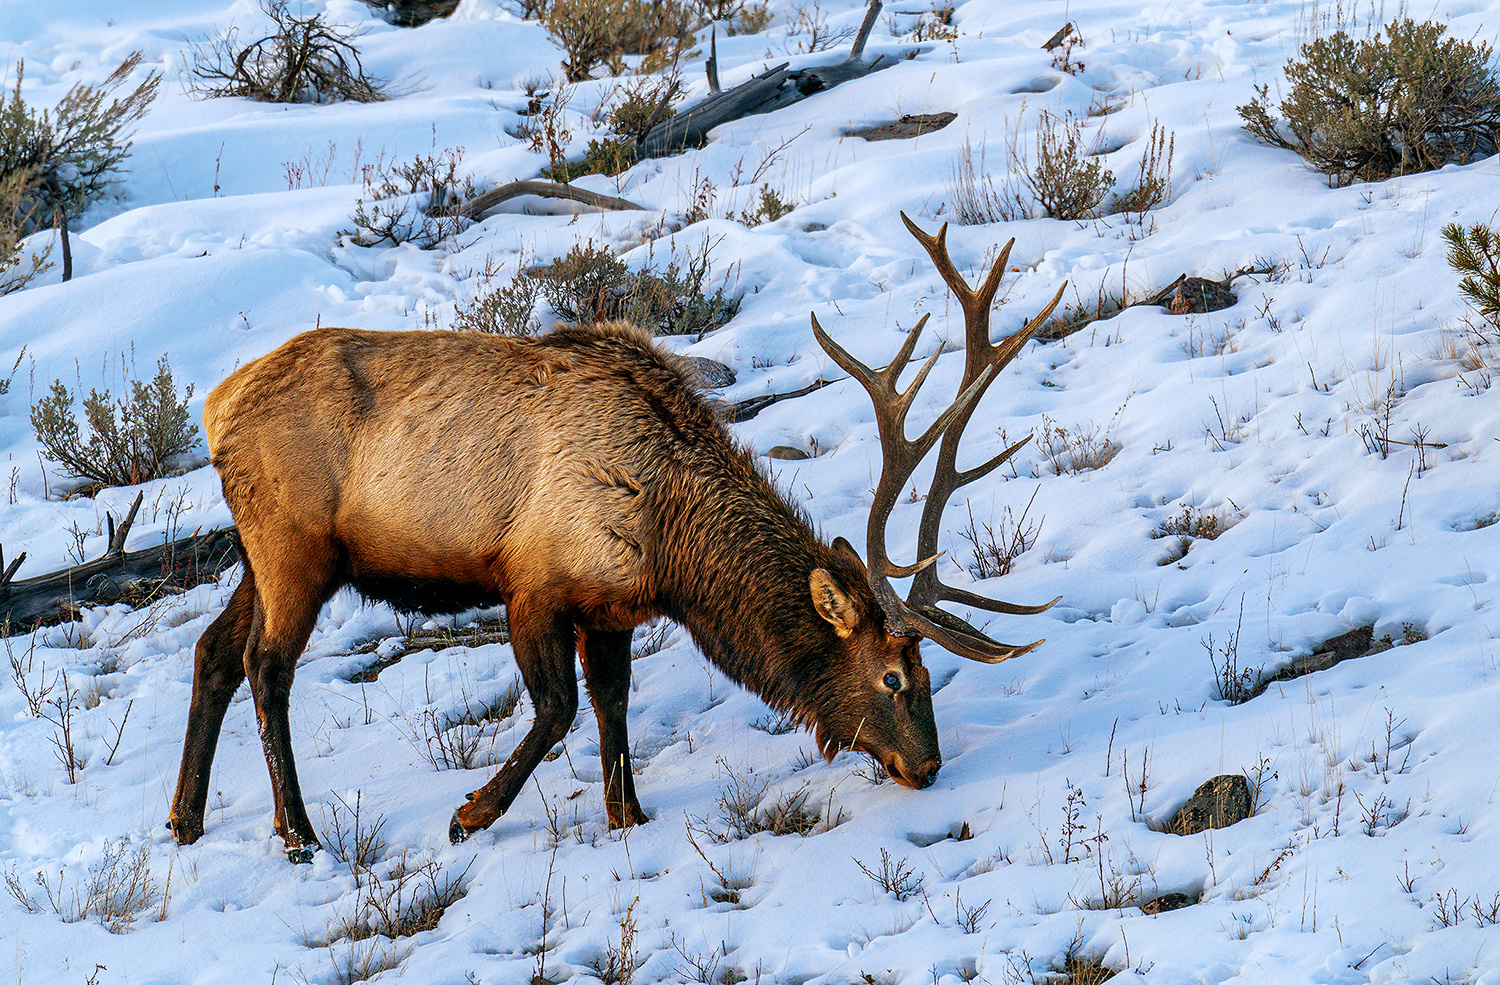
[[713, 374], [1217, 803], [787, 453], [1167, 901]]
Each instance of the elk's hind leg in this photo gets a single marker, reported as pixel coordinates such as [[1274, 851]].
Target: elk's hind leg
[[218, 669], [288, 598], [543, 640], [606, 668]]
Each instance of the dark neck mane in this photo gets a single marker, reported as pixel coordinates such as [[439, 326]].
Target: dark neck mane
[[735, 572]]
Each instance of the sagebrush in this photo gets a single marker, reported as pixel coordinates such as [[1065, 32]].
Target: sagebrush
[[1401, 102], [592, 33], [16, 271], [591, 284], [1065, 179], [122, 442], [57, 162]]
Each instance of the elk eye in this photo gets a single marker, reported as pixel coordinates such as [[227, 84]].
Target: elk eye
[[892, 681]]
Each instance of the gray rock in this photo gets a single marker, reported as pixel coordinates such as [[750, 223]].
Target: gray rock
[[787, 453], [1358, 642], [1217, 803], [714, 374], [1167, 901]]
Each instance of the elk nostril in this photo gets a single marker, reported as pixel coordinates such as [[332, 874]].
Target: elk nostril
[[929, 774]]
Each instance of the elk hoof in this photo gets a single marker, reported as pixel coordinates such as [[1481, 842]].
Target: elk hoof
[[302, 855], [184, 833]]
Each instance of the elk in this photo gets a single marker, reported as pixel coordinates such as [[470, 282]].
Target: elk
[[583, 480]]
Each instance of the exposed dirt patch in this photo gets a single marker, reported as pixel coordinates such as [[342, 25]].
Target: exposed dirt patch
[[911, 125]]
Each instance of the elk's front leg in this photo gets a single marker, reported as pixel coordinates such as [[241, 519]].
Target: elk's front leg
[[288, 598], [606, 669], [543, 643], [218, 669]]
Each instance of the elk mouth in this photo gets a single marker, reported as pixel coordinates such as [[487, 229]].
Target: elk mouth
[[916, 780], [894, 764]]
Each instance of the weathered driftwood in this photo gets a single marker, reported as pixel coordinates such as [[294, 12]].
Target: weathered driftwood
[[772, 89], [744, 410], [47, 598], [480, 204]]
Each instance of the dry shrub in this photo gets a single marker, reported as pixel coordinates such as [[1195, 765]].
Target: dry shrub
[[769, 206], [893, 876], [122, 442], [601, 32], [508, 310], [411, 898], [14, 216], [591, 284], [618, 965], [995, 550], [303, 59], [1153, 185], [643, 105], [544, 126], [114, 891], [744, 809], [359, 961], [1192, 522], [933, 25], [458, 739], [1065, 180], [412, 202], [751, 18], [1078, 450], [66, 158], [1057, 176], [972, 194], [1074, 968], [608, 156], [1401, 103]]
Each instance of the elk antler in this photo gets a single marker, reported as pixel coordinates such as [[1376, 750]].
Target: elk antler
[[919, 614]]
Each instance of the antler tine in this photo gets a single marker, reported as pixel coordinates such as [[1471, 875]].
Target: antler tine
[[892, 404], [900, 455], [840, 355], [976, 303], [983, 361], [919, 615]]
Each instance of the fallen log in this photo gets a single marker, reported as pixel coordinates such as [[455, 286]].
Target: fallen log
[[480, 204], [117, 575], [771, 90], [744, 410]]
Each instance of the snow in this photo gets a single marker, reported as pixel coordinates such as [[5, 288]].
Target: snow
[[1377, 813]]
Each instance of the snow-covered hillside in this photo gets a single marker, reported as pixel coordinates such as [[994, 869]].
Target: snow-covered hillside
[[1374, 853]]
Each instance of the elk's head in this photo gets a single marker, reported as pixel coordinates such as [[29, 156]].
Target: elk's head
[[882, 695], [884, 686]]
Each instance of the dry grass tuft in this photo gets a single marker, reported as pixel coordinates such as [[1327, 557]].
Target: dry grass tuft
[[115, 890]]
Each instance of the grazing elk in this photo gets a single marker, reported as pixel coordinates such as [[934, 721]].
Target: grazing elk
[[582, 479]]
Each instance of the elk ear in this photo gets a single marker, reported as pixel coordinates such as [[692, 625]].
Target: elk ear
[[842, 546], [832, 604]]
